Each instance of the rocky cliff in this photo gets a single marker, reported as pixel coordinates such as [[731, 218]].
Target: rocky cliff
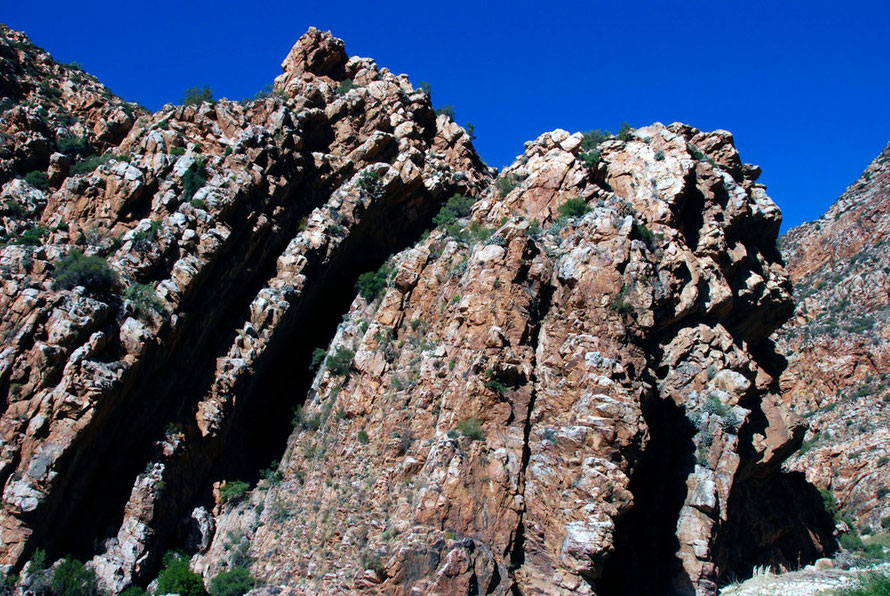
[[567, 382], [838, 345]]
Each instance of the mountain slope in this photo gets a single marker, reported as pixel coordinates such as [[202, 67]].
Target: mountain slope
[[838, 345], [569, 378]]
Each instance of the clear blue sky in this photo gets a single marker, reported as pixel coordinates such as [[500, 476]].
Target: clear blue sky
[[802, 85]]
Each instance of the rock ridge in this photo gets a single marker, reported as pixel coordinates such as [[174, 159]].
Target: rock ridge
[[570, 374]]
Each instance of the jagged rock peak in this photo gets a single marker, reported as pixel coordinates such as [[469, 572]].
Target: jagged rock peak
[[316, 52]]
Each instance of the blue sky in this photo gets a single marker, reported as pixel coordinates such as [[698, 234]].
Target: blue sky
[[802, 85]]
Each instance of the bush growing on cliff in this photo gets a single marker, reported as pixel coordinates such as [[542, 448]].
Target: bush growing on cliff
[[371, 182], [194, 178], [345, 87], [506, 183], [196, 95], [144, 299], [233, 491], [592, 138], [446, 111], [318, 355], [370, 284], [625, 132], [471, 428], [574, 207], [73, 578], [91, 163], [37, 179], [456, 207], [234, 582], [32, 236], [134, 591], [178, 578], [93, 273], [340, 361]]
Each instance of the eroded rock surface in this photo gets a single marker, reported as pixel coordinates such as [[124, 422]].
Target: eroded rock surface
[[533, 391], [571, 380], [838, 345]]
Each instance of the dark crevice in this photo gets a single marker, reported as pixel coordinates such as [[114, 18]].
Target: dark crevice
[[87, 507], [689, 212], [256, 433], [645, 558], [776, 519], [541, 308]]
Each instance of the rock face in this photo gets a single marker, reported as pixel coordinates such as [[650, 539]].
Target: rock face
[[838, 345], [568, 381]]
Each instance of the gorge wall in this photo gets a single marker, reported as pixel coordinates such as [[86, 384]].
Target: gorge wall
[[838, 346], [568, 379]]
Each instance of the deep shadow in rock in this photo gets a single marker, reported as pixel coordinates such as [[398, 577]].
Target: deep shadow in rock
[[645, 557], [776, 520]]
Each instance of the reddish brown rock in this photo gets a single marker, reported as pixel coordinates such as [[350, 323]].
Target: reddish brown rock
[[520, 401], [837, 345]]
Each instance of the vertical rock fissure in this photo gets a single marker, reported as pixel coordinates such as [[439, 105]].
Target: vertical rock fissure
[[94, 502], [517, 554], [645, 537], [257, 431]]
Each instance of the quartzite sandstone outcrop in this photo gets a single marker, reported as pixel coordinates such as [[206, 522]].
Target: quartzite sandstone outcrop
[[838, 345], [535, 402]]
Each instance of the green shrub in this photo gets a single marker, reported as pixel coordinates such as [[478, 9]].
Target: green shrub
[[873, 584], [72, 146], [233, 491], [885, 522], [144, 239], [471, 428], [716, 407], [198, 203], [340, 362], [91, 163], [50, 91], [345, 87], [426, 87], [370, 284], [177, 151], [32, 236], [574, 207], [362, 437], [829, 502], [93, 273], [471, 130], [625, 132], [456, 207], [194, 178], [234, 582], [318, 355], [621, 304], [178, 578], [659, 155], [15, 210], [196, 95], [592, 138], [37, 179], [590, 159], [37, 562], [134, 591], [851, 540], [73, 578], [648, 237], [446, 111], [144, 299], [369, 181], [506, 183]]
